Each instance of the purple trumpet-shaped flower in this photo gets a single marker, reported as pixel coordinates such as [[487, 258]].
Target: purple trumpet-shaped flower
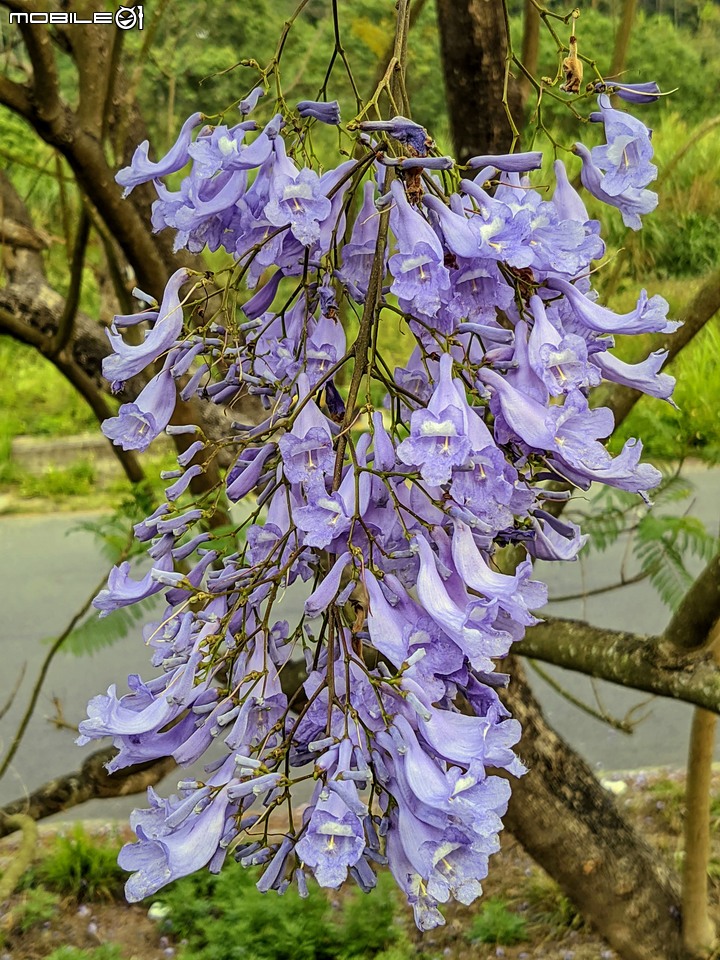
[[438, 438], [328, 516], [246, 474], [247, 105], [327, 591], [555, 539], [625, 157], [418, 163], [649, 315], [631, 202], [324, 347], [509, 162], [359, 252], [453, 614], [319, 110], [382, 445], [307, 450], [139, 423], [561, 362], [420, 279], [566, 199], [387, 626], [122, 590], [163, 854], [425, 907], [142, 169], [403, 130], [569, 434], [298, 202], [515, 593], [127, 360], [333, 840], [644, 376], [634, 92], [149, 707]]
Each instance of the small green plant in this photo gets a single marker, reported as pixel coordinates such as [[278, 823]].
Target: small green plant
[[108, 951], [549, 905], [35, 907], [496, 923], [82, 867], [668, 797], [225, 917], [367, 920], [78, 478]]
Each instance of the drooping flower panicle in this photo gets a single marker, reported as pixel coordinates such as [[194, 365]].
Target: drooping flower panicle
[[388, 512]]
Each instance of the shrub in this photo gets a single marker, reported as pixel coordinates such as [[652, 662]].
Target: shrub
[[496, 923], [82, 867]]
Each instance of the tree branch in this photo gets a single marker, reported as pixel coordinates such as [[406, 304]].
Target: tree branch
[[46, 91], [648, 663], [691, 628], [67, 320], [91, 782], [16, 96]]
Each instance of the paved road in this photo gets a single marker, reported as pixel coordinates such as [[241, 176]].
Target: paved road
[[48, 568]]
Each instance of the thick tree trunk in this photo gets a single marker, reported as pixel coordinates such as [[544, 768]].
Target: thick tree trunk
[[622, 38], [473, 44], [568, 823], [530, 48]]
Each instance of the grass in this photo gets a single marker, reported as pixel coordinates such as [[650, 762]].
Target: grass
[[108, 951], [497, 923], [547, 904], [82, 867], [224, 917], [37, 906]]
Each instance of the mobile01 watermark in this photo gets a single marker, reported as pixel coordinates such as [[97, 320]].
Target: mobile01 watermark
[[124, 18]]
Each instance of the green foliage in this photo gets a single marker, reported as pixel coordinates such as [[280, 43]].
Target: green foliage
[[94, 633], [496, 923], [224, 917], [83, 867], [662, 543], [35, 398], [367, 920], [36, 906], [107, 951], [57, 482], [693, 429], [548, 905]]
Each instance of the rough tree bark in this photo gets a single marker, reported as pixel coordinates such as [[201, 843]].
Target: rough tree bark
[[530, 48], [473, 45], [566, 821], [622, 38], [91, 782]]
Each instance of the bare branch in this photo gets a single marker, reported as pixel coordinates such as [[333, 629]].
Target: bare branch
[[691, 627], [46, 90], [16, 96], [632, 660], [91, 782], [67, 320]]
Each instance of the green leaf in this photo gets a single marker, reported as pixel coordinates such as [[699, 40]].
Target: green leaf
[[95, 633]]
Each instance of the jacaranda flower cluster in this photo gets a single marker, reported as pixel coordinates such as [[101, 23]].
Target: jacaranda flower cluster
[[386, 491]]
